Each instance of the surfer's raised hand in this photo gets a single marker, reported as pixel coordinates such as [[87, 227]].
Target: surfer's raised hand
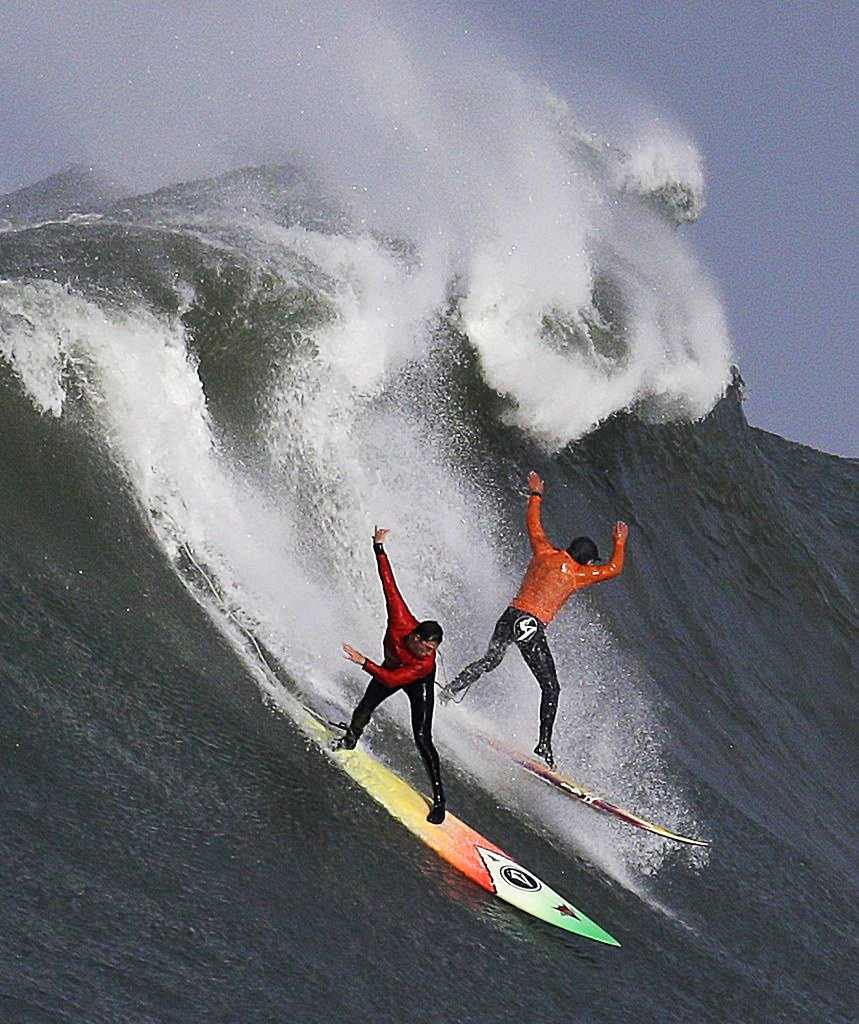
[[350, 652], [379, 534], [535, 483], [620, 532]]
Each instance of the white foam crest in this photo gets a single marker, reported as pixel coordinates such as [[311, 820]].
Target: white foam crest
[[531, 217], [135, 371], [492, 172], [679, 335], [381, 302], [657, 159], [323, 407], [35, 342], [671, 338]]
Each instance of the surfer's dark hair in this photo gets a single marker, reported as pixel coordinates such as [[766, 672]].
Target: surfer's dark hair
[[429, 630], [583, 550]]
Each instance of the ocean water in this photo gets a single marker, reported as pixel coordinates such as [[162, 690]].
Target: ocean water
[[208, 396]]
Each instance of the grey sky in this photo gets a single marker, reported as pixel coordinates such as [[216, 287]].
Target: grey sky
[[768, 92]]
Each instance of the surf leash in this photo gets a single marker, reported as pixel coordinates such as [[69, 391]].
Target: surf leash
[[447, 695]]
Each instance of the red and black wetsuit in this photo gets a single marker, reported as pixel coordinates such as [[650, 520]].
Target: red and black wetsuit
[[402, 670]]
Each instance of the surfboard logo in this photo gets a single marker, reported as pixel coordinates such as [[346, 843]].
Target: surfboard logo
[[525, 629], [519, 878]]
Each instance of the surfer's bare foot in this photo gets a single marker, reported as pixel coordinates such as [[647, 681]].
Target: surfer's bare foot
[[543, 750], [436, 814]]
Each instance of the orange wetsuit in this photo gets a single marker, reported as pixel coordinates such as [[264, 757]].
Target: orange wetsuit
[[552, 575]]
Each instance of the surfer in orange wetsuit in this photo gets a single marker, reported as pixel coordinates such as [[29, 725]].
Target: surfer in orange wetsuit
[[553, 575], [409, 665]]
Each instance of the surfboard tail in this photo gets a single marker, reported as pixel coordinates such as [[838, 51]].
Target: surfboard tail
[[566, 785], [552, 777]]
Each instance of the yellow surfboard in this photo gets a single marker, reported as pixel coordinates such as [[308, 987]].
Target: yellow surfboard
[[454, 841]]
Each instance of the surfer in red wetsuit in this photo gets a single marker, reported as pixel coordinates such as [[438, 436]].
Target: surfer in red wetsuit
[[553, 575], [408, 665]]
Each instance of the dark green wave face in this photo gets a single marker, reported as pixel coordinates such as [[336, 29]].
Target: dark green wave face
[[209, 395]]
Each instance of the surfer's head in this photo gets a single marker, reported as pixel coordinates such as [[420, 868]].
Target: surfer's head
[[583, 550], [424, 640]]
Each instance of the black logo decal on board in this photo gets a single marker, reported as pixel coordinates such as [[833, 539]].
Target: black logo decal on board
[[519, 878]]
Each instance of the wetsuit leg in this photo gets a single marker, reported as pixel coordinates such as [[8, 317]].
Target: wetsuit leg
[[538, 658], [375, 693], [502, 637], [422, 697]]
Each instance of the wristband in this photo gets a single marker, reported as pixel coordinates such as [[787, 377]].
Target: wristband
[[535, 494]]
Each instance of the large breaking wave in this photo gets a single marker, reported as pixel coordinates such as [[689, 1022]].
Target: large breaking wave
[[274, 377], [271, 376]]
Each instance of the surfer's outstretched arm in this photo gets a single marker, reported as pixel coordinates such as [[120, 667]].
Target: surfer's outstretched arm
[[401, 675], [398, 611], [536, 534], [614, 566]]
